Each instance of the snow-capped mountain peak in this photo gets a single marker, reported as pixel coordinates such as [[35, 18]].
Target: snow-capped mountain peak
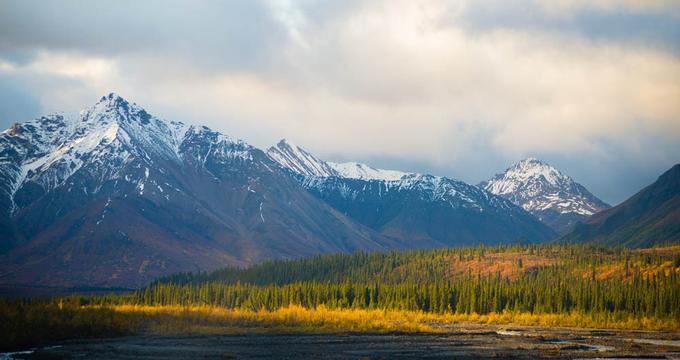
[[299, 160], [545, 191], [103, 140], [525, 171]]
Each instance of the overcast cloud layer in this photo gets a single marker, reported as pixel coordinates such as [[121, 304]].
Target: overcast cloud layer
[[456, 88]]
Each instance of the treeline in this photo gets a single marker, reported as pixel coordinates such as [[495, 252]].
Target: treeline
[[420, 265], [561, 279], [544, 292]]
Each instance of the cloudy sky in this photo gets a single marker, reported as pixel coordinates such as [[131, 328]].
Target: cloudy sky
[[456, 88]]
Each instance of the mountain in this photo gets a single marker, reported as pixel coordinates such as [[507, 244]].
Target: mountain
[[553, 197], [300, 161], [114, 196], [417, 210], [648, 218]]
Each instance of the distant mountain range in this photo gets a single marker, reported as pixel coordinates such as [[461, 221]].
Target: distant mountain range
[[650, 217], [115, 197], [553, 197], [417, 210]]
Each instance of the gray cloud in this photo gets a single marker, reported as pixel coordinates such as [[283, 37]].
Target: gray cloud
[[233, 35], [656, 26], [458, 88]]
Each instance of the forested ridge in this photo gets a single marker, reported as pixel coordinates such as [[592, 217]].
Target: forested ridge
[[536, 279]]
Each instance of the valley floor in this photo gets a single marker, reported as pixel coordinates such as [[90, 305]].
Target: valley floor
[[176, 332], [458, 341], [549, 301]]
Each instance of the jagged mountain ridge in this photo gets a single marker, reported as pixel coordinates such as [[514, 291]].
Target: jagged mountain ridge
[[299, 160], [553, 197], [114, 196], [419, 210]]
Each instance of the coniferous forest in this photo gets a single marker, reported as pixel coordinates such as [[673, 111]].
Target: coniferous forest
[[535, 279]]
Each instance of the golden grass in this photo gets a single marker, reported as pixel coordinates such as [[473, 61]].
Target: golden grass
[[296, 319], [289, 319], [574, 320]]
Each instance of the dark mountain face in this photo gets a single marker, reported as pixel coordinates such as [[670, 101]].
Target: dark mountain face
[[650, 217], [427, 211], [553, 197], [117, 197], [417, 210]]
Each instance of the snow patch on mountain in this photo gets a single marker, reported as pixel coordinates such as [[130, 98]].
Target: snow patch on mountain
[[353, 170]]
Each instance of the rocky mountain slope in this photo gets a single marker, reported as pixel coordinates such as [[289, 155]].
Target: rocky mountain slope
[[553, 197], [300, 161], [648, 218], [417, 210], [114, 196]]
